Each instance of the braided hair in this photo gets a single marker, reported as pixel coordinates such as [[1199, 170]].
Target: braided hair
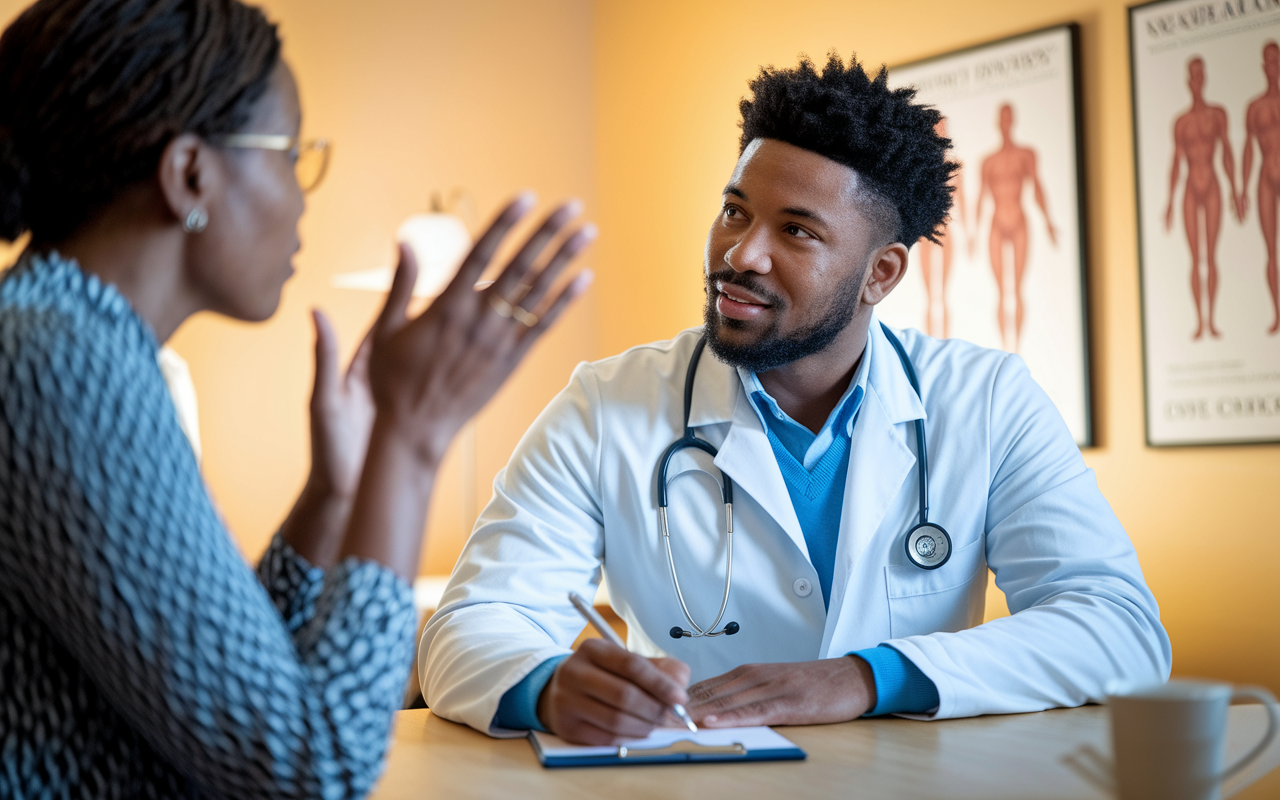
[[92, 91], [878, 132]]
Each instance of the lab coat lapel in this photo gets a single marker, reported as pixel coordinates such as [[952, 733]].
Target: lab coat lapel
[[745, 454], [881, 459], [747, 457]]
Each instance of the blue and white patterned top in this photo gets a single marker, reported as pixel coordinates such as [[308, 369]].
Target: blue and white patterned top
[[139, 654]]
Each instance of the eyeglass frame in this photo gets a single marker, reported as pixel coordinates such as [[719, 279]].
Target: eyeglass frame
[[278, 142]]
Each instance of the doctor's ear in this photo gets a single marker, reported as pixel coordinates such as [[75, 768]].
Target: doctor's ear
[[885, 269]]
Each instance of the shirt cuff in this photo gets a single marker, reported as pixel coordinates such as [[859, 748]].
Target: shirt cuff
[[901, 688], [518, 708]]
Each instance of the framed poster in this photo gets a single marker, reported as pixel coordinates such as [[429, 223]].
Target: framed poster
[[1206, 130], [1010, 272]]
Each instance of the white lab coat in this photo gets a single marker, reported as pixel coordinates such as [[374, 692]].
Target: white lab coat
[[1005, 480]]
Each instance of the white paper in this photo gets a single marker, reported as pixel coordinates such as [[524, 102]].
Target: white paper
[[757, 738]]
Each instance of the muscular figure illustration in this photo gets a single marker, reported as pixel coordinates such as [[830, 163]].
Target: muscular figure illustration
[[1262, 124], [935, 259], [1004, 173], [1196, 135]]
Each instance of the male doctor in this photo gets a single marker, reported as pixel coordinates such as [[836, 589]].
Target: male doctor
[[813, 417]]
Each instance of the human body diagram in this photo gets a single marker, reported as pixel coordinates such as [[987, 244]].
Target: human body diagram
[[936, 257], [1197, 133], [1262, 125], [1004, 174]]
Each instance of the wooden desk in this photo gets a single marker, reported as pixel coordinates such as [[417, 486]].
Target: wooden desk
[[1015, 756]]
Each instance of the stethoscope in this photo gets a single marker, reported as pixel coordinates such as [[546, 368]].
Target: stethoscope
[[928, 545]]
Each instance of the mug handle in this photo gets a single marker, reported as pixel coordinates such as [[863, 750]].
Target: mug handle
[[1273, 720]]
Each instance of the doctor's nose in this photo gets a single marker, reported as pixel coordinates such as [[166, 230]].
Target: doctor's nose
[[749, 254]]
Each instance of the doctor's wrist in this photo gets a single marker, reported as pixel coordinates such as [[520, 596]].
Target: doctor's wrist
[[863, 685]]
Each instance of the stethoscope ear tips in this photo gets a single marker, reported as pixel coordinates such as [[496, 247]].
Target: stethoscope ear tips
[[731, 628], [677, 632]]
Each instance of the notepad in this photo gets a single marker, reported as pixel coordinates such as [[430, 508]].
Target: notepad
[[671, 745]]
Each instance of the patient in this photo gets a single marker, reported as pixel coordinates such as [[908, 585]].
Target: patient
[[149, 148]]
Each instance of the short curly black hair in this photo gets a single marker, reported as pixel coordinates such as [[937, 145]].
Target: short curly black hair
[[878, 132]]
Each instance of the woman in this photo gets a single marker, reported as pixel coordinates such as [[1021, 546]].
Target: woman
[[148, 147]]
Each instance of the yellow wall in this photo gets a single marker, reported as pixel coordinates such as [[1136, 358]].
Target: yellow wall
[[668, 77]]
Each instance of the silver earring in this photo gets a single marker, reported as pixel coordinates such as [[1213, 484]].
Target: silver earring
[[196, 221]]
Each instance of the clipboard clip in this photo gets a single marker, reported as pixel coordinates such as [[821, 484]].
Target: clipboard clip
[[683, 747]]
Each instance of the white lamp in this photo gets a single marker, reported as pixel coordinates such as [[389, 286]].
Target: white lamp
[[440, 241]]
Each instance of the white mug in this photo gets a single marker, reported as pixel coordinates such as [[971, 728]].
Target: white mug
[[1169, 741]]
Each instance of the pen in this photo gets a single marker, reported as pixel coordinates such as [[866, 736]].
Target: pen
[[604, 629]]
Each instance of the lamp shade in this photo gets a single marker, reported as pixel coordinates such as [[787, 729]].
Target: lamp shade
[[439, 241]]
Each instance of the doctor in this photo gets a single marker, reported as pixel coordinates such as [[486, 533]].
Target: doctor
[[839, 604]]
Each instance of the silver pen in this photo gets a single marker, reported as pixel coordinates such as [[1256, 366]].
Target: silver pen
[[604, 629]]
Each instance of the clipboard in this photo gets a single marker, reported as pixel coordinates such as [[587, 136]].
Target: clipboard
[[670, 746]]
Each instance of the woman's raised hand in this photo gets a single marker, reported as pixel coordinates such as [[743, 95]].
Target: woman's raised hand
[[430, 374], [342, 414]]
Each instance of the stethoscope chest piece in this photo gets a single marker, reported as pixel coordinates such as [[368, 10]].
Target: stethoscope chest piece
[[928, 545]]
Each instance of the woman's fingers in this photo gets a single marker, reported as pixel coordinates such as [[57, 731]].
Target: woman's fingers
[[326, 379], [439, 368], [487, 245], [394, 310], [580, 283], [358, 370], [568, 250], [508, 284]]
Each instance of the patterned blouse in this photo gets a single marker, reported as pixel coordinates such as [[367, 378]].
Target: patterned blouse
[[139, 655]]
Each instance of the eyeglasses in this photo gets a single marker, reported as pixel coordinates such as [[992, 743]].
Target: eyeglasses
[[310, 157]]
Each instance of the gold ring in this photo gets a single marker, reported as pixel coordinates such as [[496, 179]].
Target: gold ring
[[501, 306], [505, 309], [522, 290], [525, 318]]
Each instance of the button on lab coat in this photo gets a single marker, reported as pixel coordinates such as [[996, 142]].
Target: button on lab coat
[[579, 497]]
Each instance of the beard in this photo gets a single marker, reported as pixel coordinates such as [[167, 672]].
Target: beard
[[774, 348]]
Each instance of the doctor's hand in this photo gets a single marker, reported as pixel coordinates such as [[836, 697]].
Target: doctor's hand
[[802, 693], [602, 694]]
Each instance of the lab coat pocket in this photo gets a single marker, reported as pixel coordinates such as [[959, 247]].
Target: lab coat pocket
[[949, 598]]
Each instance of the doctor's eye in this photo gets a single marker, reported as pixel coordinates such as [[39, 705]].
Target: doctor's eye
[[795, 230]]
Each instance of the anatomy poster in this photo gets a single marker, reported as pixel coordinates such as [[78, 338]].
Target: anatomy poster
[[1009, 272], [1207, 138]]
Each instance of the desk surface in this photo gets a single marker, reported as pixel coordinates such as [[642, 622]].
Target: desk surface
[[1017, 756]]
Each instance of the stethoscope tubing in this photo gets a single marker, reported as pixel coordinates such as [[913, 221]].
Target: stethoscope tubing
[[935, 536], [923, 455], [728, 580], [687, 441]]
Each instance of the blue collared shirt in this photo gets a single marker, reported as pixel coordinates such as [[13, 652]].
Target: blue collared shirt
[[815, 468]]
